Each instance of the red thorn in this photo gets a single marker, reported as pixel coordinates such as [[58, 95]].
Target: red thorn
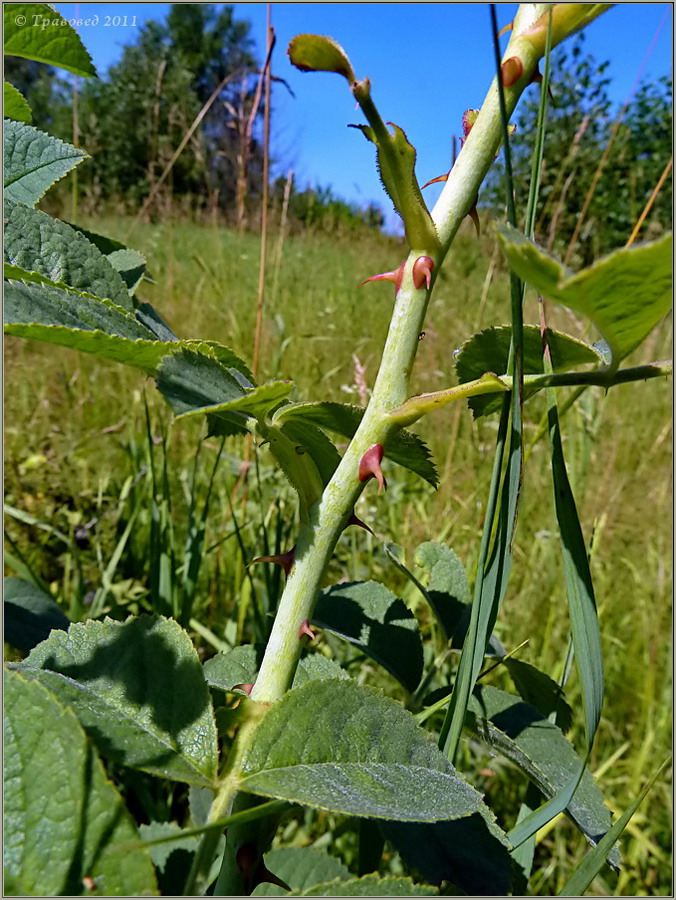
[[244, 688], [508, 27], [305, 629], [422, 271], [353, 520], [511, 70], [436, 180], [285, 560], [395, 277], [474, 216], [469, 117], [88, 883], [537, 79], [369, 466]]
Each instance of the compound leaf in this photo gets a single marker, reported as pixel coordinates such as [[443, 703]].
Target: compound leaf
[[488, 351], [404, 448], [240, 666]]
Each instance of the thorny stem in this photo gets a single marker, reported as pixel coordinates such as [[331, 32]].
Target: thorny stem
[[317, 538], [318, 535]]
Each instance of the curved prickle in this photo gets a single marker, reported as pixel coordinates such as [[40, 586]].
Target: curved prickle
[[369, 466], [305, 629], [422, 271], [355, 520], [511, 70], [474, 216], [285, 560], [395, 277]]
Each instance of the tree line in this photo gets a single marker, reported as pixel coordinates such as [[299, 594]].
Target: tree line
[[132, 120]]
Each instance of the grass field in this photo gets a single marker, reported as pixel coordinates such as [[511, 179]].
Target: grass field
[[76, 446]]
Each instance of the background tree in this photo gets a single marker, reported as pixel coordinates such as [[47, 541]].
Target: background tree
[[579, 127], [158, 87]]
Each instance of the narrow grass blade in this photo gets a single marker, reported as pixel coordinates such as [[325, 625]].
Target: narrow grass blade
[[532, 823], [238, 818], [109, 571], [593, 862], [586, 633], [492, 578], [194, 542]]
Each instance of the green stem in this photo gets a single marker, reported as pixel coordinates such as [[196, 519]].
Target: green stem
[[328, 516], [221, 806], [317, 538]]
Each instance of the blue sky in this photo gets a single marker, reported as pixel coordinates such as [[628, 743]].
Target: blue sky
[[427, 64]]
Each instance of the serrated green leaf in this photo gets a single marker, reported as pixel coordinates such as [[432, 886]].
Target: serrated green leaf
[[319, 53], [64, 821], [319, 447], [40, 310], [404, 448], [541, 691], [396, 158], [372, 618], [32, 303], [488, 351], [37, 31], [448, 593], [240, 666], [154, 322], [337, 746], [300, 868], [237, 666], [131, 265], [256, 402], [315, 667], [368, 886], [15, 106], [522, 734], [138, 689], [38, 243], [190, 380], [128, 262], [624, 294], [472, 852], [30, 614], [447, 587], [34, 161]]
